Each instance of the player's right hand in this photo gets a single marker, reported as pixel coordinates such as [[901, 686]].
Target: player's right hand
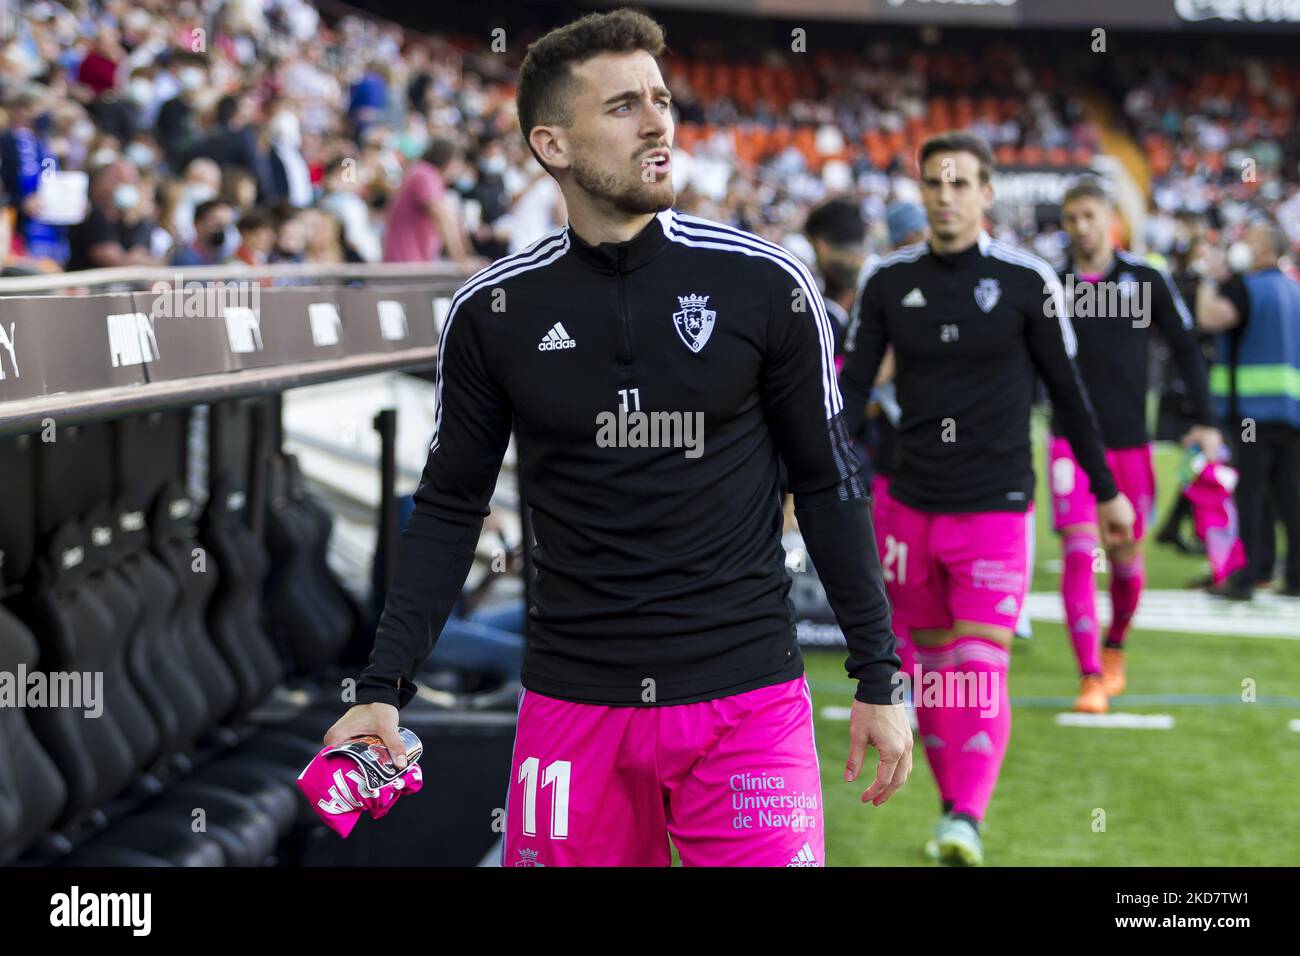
[[1116, 518], [370, 720], [885, 727]]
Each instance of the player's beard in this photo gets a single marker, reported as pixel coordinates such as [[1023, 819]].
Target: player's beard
[[635, 198], [1087, 250]]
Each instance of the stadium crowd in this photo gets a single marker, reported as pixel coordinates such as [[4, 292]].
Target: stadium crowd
[[256, 130]]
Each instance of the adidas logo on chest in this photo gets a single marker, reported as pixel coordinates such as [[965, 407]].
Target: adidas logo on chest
[[556, 338]]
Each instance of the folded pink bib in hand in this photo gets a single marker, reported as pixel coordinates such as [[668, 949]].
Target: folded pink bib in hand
[[341, 782]]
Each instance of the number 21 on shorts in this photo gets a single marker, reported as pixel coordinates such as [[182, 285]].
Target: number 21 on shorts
[[556, 776]]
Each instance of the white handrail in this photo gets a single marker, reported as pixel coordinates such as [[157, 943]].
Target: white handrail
[[147, 275]]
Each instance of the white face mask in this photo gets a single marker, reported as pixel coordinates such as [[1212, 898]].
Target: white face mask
[[141, 91], [102, 157], [1240, 256], [140, 154], [126, 196], [82, 130], [199, 193], [284, 129], [191, 78]]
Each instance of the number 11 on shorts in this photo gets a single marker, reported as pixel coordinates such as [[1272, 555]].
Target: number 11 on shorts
[[556, 776]]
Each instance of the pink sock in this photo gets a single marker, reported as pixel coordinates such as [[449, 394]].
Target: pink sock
[[1126, 580], [931, 723], [964, 712], [1080, 598]]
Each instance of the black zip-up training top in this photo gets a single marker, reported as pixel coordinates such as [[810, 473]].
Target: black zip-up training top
[[970, 331], [660, 573], [1114, 349]]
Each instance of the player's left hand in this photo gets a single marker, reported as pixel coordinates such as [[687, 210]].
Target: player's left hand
[[1116, 517], [1209, 439], [885, 727]]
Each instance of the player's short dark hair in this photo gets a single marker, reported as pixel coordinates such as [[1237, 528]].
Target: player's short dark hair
[[959, 141], [1087, 187], [544, 95], [837, 221]]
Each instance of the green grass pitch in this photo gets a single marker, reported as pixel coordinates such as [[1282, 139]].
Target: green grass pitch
[[1222, 787]]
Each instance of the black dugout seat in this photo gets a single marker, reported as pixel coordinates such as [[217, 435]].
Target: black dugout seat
[[32, 793]]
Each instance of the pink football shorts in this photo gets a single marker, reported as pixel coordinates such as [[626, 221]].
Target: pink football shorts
[[946, 567], [734, 782], [1072, 501]]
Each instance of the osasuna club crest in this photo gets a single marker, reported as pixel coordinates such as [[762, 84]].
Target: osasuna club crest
[[987, 294], [694, 322]]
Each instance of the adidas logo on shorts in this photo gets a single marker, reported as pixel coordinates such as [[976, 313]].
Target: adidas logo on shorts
[[804, 857], [556, 338], [1007, 605]]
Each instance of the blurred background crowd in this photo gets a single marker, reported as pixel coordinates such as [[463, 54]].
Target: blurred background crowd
[[203, 131]]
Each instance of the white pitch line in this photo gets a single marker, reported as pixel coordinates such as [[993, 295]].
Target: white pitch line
[[1191, 612], [1120, 720], [844, 713]]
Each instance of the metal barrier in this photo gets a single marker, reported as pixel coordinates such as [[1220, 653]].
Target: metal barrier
[[185, 336]]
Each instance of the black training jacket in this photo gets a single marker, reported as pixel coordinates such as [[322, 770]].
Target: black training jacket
[[1114, 323], [970, 331], [660, 573]]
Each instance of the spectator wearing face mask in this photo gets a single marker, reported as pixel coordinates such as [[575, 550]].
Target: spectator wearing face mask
[[175, 126], [342, 198], [213, 220], [491, 235], [291, 226], [140, 97], [142, 151], [290, 178], [117, 231], [200, 183]]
